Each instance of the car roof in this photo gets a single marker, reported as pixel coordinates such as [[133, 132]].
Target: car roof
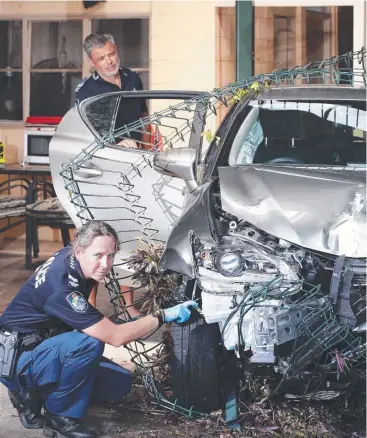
[[314, 92]]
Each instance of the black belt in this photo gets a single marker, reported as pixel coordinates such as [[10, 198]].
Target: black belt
[[28, 341], [13, 343]]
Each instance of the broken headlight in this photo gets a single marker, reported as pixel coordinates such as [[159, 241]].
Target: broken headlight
[[235, 263], [229, 263]]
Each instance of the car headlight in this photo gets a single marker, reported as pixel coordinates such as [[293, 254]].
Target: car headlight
[[229, 263]]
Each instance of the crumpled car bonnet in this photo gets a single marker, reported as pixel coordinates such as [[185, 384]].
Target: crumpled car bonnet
[[319, 209]]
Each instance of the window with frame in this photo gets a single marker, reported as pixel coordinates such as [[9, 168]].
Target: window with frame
[[11, 96], [52, 66], [56, 66], [284, 40]]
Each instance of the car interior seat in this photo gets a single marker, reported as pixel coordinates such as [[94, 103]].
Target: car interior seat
[[293, 135]]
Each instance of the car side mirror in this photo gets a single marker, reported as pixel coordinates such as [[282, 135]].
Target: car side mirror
[[178, 163]]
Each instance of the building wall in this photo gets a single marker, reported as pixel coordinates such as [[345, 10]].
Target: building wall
[[181, 46]]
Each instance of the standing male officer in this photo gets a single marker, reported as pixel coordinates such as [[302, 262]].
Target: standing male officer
[[109, 77], [67, 371]]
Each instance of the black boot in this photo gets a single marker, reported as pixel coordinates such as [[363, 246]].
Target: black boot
[[29, 406], [57, 426]]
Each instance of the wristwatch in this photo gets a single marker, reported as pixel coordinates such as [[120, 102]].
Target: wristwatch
[[159, 314]]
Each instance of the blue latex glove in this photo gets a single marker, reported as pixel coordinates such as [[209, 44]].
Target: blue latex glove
[[180, 313]]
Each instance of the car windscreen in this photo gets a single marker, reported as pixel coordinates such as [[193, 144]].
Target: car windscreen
[[299, 132]]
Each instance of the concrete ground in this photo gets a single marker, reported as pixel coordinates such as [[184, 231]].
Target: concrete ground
[[13, 275]]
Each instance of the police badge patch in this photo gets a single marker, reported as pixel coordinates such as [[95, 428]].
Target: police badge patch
[[77, 302]]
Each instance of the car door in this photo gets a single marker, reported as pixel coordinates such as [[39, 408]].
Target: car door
[[95, 178]]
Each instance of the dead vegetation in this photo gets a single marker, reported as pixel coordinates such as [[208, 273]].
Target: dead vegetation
[[261, 415], [142, 418]]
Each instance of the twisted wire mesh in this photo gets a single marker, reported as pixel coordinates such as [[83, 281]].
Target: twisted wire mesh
[[347, 70], [322, 342], [170, 128]]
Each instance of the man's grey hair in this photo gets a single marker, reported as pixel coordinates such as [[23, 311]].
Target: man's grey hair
[[85, 235], [97, 40]]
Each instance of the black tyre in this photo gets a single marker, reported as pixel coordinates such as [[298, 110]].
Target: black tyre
[[195, 365]]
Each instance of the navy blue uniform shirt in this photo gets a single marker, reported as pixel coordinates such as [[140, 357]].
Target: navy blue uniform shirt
[[56, 296], [129, 110]]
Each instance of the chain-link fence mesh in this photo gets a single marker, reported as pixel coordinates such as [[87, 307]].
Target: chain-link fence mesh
[[171, 127]]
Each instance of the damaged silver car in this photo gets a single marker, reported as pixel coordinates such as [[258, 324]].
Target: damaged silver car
[[277, 241], [264, 222]]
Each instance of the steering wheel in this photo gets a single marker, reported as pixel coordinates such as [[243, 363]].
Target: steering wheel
[[289, 160]]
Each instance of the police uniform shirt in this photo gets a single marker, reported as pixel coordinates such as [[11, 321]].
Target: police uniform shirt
[[130, 110], [56, 296]]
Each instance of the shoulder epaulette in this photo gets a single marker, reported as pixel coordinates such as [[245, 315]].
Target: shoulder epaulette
[[80, 84]]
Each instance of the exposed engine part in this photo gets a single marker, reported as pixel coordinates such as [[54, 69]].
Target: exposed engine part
[[345, 312], [261, 328], [356, 295], [348, 291], [215, 283], [232, 226], [270, 297]]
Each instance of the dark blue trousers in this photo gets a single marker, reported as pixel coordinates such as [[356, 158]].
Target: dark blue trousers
[[69, 372]]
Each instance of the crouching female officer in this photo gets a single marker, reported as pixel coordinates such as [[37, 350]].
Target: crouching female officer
[[66, 372]]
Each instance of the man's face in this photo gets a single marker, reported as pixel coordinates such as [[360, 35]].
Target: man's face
[[96, 261], [105, 60]]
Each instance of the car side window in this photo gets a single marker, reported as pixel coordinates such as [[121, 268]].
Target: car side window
[[99, 113], [300, 132], [219, 145], [247, 139]]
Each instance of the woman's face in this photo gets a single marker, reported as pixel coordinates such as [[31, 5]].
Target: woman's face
[[96, 261]]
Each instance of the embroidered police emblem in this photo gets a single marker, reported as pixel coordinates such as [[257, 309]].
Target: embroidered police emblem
[[77, 302]]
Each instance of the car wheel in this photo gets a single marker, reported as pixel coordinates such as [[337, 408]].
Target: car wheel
[[195, 365]]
